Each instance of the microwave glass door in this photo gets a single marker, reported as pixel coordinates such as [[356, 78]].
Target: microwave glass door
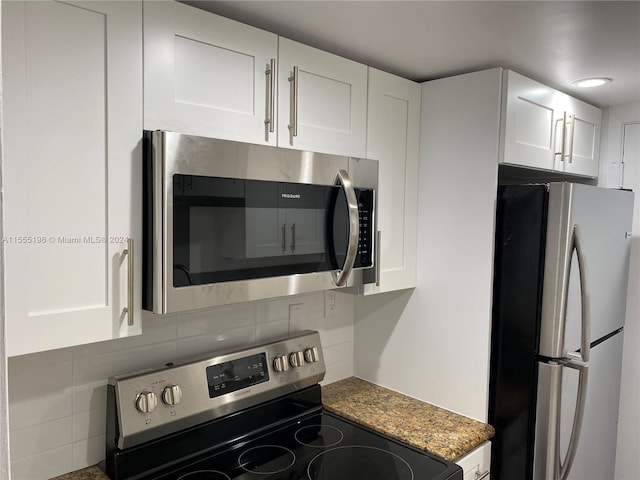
[[227, 229]]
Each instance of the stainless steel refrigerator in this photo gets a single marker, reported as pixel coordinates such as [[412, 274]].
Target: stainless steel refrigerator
[[560, 285]]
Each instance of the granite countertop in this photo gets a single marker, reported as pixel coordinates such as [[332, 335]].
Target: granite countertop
[[419, 424], [422, 425], [89, 473]]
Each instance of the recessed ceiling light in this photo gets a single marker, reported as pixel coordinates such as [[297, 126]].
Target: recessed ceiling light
[[591, 82]]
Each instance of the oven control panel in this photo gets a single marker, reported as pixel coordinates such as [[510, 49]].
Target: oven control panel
[[178, 396]]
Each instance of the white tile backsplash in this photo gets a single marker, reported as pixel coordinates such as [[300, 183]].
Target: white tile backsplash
[[94, 368], [41, 437], [88, 424], [87, 452], [90, 396], [39, 394], [47, 464], [57, 399]]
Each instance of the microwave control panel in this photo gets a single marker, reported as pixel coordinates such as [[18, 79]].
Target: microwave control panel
[[365, 199]]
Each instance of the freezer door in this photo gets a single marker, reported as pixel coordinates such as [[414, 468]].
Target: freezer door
[[557, 392], [603, 219], [596, 452], [571, 444]]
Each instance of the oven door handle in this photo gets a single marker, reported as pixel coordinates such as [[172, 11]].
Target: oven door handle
[[340, 277]]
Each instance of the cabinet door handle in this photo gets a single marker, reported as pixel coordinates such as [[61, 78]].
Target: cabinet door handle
[[128, 310], [293, 108], [564, 137], [480, 475], [571, 121], [269, 121]]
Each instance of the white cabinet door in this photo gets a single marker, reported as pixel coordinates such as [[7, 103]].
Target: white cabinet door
[[532, 122], [322, 103], [476, 465], [583, 139], [207, 75], [393, 138], [73, 119], [547, 129]]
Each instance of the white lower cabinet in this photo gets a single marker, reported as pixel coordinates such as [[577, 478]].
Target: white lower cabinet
[[393, 138], [72, 92], [476, 465]]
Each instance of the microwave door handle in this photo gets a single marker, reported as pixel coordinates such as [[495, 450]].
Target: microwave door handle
[[340, 277]]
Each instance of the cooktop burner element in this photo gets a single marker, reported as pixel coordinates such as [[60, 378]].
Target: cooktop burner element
[[266, 459], [252, 414], [319, 436], [358, 461]]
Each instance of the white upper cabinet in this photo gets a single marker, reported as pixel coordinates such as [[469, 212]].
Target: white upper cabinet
[[582, 145], [207, 75], [393, 138], [210, 76], [72, 81], [322, 104], [547, 129]]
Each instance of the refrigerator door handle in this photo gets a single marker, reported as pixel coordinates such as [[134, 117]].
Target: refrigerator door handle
[[577, 361], [585, 344], [583, 375]]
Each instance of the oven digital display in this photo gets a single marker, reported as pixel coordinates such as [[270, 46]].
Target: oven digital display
[[237, 374]]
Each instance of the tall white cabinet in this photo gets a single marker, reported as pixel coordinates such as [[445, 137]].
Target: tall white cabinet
[[72, 92], [393, 138]]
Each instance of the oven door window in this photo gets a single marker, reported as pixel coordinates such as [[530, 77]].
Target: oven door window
[[228, 229]]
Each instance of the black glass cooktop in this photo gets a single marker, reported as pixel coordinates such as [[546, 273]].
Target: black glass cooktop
[[321, 446]]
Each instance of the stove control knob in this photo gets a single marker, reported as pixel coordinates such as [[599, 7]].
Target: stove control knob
[[296, 359], [147, 402], [311, 355], [281, 364], [172, 395]]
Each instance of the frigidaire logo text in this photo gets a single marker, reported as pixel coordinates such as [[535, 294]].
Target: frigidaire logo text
[[290, 195]]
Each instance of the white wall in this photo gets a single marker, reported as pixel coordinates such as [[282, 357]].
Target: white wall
[[627, 459], [57, 399], [4, 412]]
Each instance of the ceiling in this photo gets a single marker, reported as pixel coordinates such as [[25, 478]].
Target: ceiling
[[555, 42]]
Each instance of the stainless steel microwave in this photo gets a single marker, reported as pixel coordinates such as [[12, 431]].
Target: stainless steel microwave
[[228, 222]]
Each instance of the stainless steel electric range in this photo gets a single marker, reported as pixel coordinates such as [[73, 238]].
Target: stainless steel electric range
[[248, 414]]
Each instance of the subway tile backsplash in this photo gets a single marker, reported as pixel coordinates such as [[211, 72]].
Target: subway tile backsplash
[[57, 399]]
